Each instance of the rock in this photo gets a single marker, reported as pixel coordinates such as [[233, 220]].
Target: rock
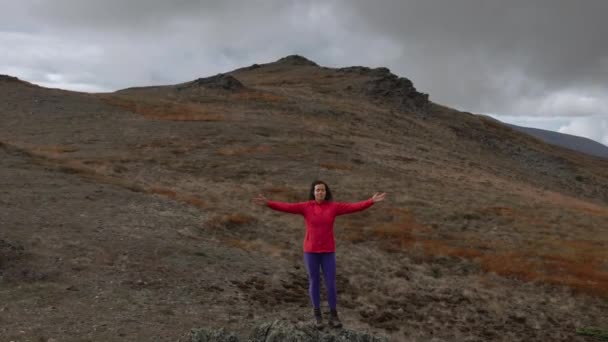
[[253, 67], [386, 85], [381, 71], [296, 60], [518, 317], [283, 330], [7, 78], [203, 335], [219, 81], [361, 70], [398, 89], [9, 251]]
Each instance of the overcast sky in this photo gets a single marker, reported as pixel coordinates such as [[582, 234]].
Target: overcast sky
[[537, 63]]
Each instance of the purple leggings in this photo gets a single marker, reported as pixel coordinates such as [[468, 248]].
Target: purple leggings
[[327, 261]]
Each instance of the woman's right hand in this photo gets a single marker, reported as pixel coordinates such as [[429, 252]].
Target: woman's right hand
[[378, 197], [261, 200]]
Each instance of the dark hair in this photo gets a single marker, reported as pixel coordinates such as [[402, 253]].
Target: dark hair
[[311, 195]]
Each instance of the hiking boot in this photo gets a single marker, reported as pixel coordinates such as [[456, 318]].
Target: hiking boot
[[318, 322], [334, 321]]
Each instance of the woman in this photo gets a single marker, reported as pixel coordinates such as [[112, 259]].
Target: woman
[[319, 245]]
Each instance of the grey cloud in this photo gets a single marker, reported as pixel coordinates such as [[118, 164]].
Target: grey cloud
[[475, 47], [146, 16], [557, 40]]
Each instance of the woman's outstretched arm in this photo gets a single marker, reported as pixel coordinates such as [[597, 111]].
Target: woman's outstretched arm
[[347, 208], [293, 208]]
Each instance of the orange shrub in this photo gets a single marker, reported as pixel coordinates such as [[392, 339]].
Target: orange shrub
[[581, 265]]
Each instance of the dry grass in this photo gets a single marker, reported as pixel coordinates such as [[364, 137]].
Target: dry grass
[[178, 196], [99, 170], [222, 108], [336, 166], [281, 193], [168, 110], [230, 221], [401, 231], [398, 232], [498, 211], [443, 248], [256, 245], [557, 199], [576, 264], [256, 96], [562, 200], [54, 155], [189, 233], [229, 151], [579, 264], [582, 273], [55, 150]]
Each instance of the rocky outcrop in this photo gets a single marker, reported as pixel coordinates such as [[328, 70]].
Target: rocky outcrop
[[296, 60], [388, 86], [399, 90], [219, 81], [218, 335], [282, 330], [252, 67], [7, 78], [361, 70]]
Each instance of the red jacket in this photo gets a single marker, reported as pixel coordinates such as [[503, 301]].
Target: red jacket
[[319, 220]]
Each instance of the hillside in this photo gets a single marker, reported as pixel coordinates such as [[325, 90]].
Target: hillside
[[128, 215]]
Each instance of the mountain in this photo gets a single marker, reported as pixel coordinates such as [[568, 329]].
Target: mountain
[[128, 215], [573, 142]]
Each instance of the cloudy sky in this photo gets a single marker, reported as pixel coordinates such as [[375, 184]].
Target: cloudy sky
[[536, 63]]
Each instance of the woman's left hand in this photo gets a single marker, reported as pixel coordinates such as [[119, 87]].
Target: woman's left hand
[[378, 196]]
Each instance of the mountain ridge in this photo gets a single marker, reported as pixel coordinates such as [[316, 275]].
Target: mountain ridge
[[570, 141]]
